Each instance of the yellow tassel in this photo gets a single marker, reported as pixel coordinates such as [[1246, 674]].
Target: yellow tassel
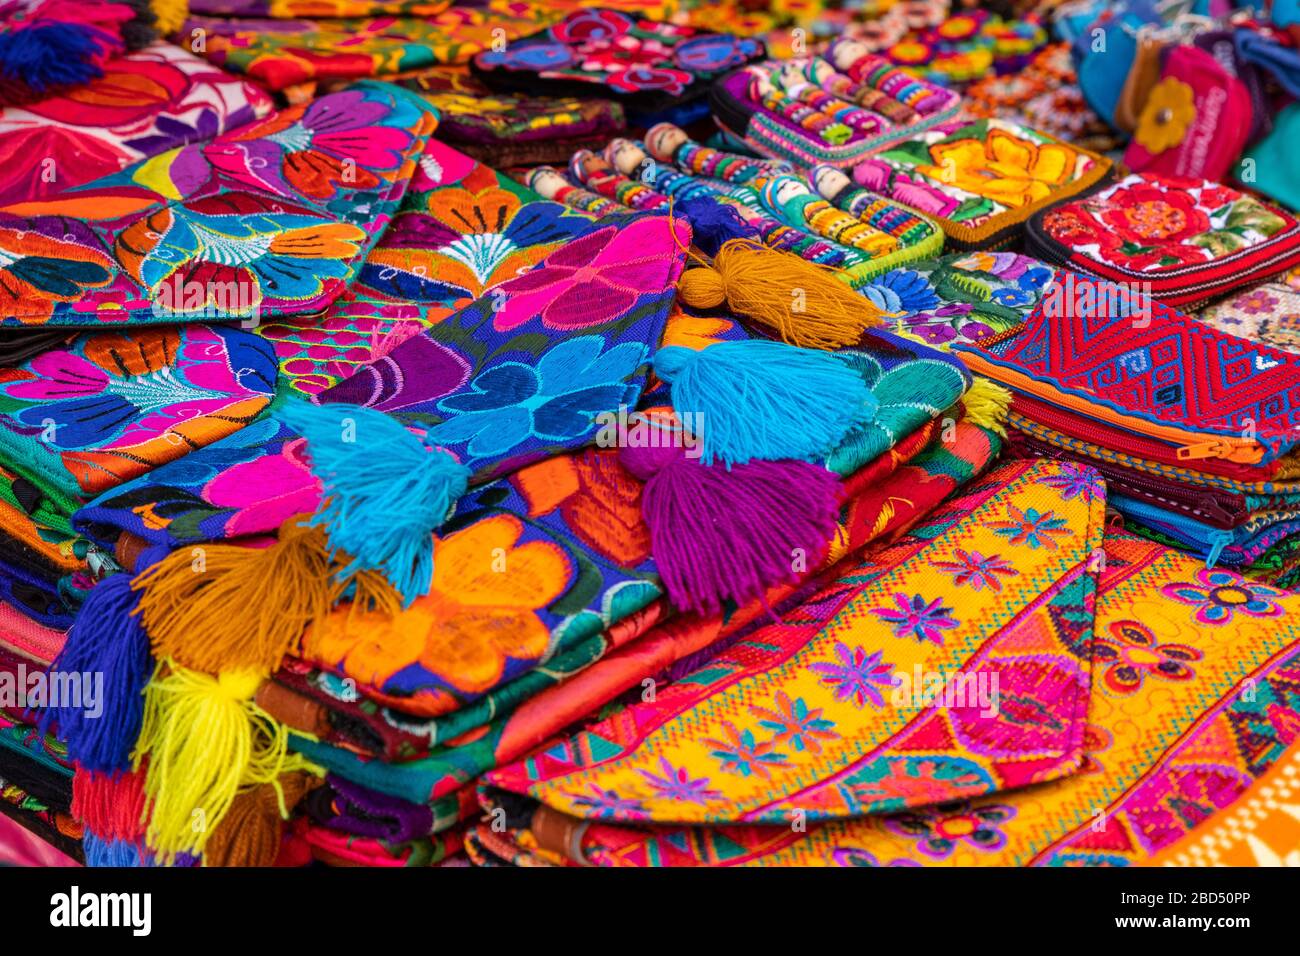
[[803, 303], [169, 15], [226, 607], [987, 404], [205, 741]]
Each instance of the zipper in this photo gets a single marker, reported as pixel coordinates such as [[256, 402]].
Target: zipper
[[1136, 444], [1210, 543], [1246, 451], [1204, 505]]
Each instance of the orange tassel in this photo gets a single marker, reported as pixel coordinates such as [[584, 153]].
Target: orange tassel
[[806, 304], [230, 608]]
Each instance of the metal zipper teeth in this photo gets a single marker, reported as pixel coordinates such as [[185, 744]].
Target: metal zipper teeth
[[1204, 506]]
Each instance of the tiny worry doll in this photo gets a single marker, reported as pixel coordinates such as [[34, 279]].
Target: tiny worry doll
[[792, 80], [825, 75], [860, 64], [595, 171], [826, 126], [710, 206], [549, 183], [797, 204], [671, 144], [834, 186]]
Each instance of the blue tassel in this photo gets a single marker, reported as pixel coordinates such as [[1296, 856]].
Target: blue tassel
[[50, 55], [713, 223], [116, 853], [764, 399], [386, 491], [106, 639]]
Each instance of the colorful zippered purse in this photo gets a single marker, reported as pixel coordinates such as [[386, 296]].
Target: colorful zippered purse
[[981, 179], [833, 110], [1134, 374], [647, 65], [1184, 242], [272, 219]]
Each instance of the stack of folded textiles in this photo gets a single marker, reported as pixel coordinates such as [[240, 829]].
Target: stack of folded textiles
[[1013, 640], [1192, 427]]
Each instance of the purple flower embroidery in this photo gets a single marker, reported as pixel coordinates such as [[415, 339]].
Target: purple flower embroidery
[[856, 676], [915, 617], [676, 784]]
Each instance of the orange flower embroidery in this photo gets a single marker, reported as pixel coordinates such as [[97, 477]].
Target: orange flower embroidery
[[480, 610]]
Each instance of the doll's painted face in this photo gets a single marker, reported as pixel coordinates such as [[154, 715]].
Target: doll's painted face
[[664, 140], [546, 182], [829, 181], [626, 156], [591, 164], [788, 188], [849, 52]]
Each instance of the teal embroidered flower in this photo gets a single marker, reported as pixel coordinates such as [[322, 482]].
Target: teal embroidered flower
[[1219, 595], [556, 400]]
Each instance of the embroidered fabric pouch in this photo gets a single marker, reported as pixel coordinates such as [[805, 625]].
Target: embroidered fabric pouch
[[822, 110], [503, 129], [981, 180], [647, 65], [1268, 313], [1196, 120], [145, 103], [83, 419], [962, 297], [1185, 241], [285, 53], [1133, 374], [827, 713], [272, 219], [642, 646], [1182, 658]]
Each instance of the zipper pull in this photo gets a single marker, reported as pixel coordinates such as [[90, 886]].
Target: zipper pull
[[1218, 541], [1214, 448]]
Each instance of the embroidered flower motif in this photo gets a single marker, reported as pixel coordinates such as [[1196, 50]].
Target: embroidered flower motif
[[593, 279], [856, 856], [677, 784], [940, 830], [855, 676], [472, 238], [1131, 653], [343, 141], [795, 724], [1218, 595], [608, 805], [1255, 302], [555, 400], [742, 754], [1032, 528], [1170, 109], [471, 622], [916, 618], [974, 569], [236, 250], [1077, 481], [44, 261], [116, 391], [583, 26], [636, 79], [1004, 167], [901, 291]]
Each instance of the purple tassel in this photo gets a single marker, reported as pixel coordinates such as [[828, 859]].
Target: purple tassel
[[713, 223], [723, 534]]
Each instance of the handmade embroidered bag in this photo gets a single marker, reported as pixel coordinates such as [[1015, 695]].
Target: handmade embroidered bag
[[648, 65], [832, 110], [268, 220], [981, 180], [1185, 241]]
